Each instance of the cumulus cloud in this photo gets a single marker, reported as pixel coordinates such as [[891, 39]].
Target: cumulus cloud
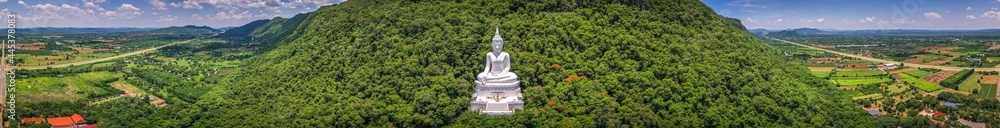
[[96, 1], [197, 17], [57, 12], [933, 16], [168, 18], [187, 5], [751, 20], [867, 20], [971, 17], [231, 16], [820, 20], [245, 4], [159, 5], [898, 21], [1, 1], [968, 8], [22, 3], [991, 15], [124, 11]]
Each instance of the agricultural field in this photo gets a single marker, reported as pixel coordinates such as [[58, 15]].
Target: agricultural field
[[852, 82], [920, 84], [919, 73], [821, 74], [988, 91], [70, 48], [971, 83], [858, 73], [67, 88]]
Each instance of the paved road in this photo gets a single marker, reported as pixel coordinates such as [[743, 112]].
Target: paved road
[[97, 60], [950, 68]]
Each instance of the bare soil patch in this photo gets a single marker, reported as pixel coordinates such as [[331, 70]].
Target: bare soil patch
[[939, 76], [31, 46], [902, 70], [989, 79]]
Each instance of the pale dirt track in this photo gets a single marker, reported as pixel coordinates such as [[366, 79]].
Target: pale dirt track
[[96, 60]]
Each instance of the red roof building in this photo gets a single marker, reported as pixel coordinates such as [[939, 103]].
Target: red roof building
[[78, 119], [67, 121], [938, 113], [61, 122]]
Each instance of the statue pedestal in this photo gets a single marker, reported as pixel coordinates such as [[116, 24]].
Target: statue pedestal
[[498, 90]]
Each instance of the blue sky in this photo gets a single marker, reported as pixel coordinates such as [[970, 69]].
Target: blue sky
[[862, 14], [152, 13]]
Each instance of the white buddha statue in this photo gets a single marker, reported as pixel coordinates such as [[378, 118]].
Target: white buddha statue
[[497, 71], [497, 90]]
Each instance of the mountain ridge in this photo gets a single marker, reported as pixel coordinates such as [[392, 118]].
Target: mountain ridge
[[588, 64]]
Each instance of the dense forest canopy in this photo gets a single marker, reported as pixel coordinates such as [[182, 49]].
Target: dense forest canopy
[[589, 63], [266, 33]]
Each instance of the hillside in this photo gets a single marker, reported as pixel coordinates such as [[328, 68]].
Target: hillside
[[587, 63], [244, 31], [267, 33]]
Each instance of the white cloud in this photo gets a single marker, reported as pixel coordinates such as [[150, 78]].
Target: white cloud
[[933, 16], [197, 17], [867, 20], [95, 1], [54, 12], [154, 13], [751, 20], [157, 4], [991, 15], [231, 15], [188, 5], [778, 21], [125, 11], [168, 18], [1, 1], [128, 7], [968, 8], [244, 4], [898, 21], [971, 17], [820, 20]]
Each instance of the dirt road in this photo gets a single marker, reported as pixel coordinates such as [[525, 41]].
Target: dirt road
[[950, 68], [97, 60]]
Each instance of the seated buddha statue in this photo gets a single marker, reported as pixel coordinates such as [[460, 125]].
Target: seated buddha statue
[[497, 72]]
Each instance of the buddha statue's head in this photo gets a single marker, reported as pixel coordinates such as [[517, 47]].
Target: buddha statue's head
[[497, 42]]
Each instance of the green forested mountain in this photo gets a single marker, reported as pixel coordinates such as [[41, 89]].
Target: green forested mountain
[[584, 63], [268, 33], [244, 31]]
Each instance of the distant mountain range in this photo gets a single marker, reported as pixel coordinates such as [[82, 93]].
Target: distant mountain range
[[814, 31], [53, 30]]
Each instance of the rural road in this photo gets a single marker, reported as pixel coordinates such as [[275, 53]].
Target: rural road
[[950, 68], [97, 60]]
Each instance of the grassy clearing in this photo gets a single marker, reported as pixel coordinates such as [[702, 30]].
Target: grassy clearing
[[970, 83], [857, 73], [68, 88], [920, 84], [988, 91], [868, 96], [821, 73]]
